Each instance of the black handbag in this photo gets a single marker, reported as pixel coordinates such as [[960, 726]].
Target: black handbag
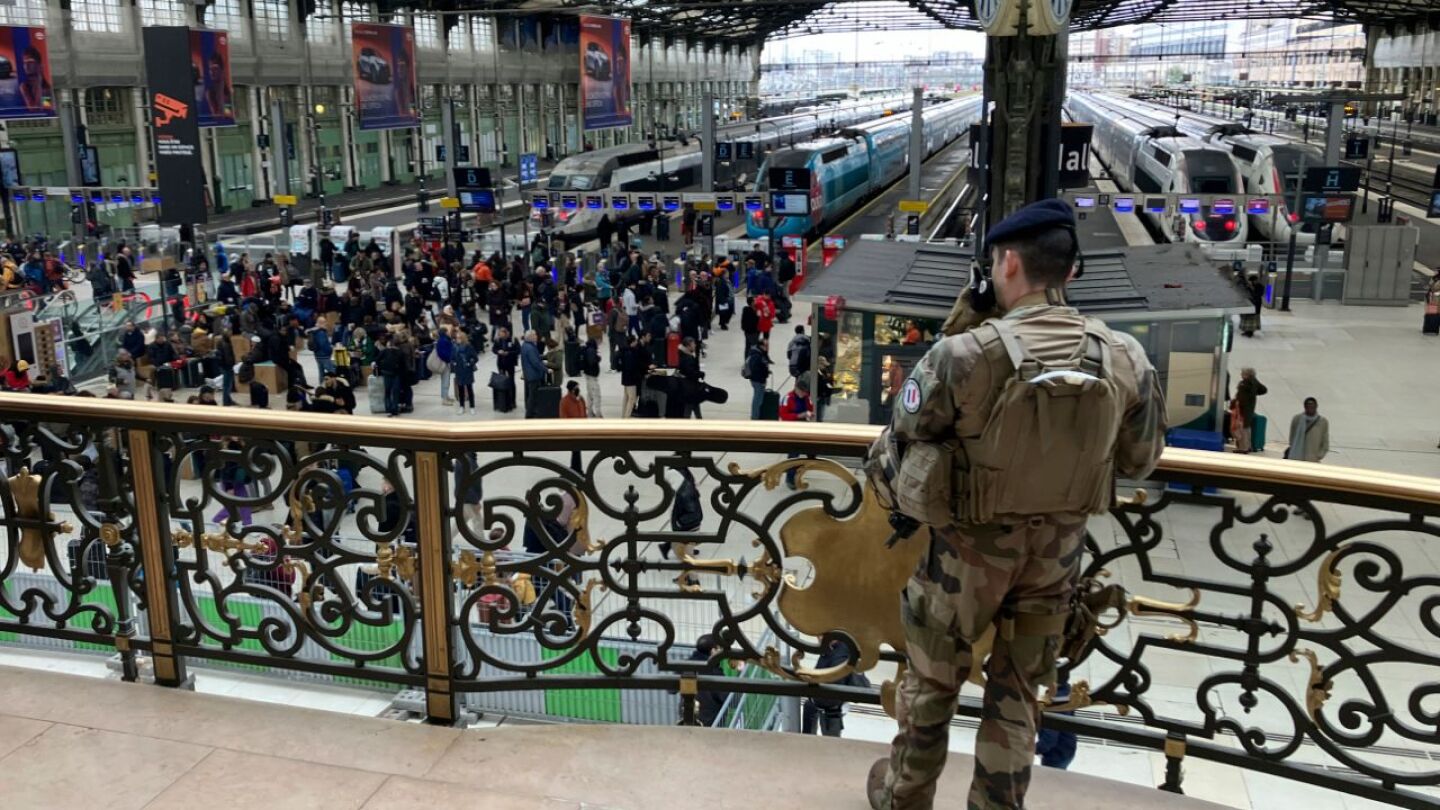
[[499, 381]]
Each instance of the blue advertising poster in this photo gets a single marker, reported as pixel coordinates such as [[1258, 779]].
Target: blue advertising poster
[[384, 63], [26, 90], [604, 73]]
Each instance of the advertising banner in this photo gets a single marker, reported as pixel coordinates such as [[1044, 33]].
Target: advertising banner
[[604, 73], [179, 173], [26, 90], [384, 62], [210, 69]]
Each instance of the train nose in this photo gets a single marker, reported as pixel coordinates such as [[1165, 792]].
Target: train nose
[[1216, 227]]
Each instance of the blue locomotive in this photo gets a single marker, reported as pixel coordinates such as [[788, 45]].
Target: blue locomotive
[[856, 163]]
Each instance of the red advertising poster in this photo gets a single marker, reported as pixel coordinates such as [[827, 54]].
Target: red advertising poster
[[26, 90], [605, 73], [210, 70], [386, 94]]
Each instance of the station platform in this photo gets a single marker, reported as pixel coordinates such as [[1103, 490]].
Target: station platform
[[165, 748], [350, 204]]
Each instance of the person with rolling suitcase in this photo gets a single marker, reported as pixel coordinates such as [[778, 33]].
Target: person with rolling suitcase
[[757, 371]]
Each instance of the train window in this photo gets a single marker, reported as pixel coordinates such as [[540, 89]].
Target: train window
[[1211, 185], [1244, 153], [835, 154], [1162, 156], [1144, 182]]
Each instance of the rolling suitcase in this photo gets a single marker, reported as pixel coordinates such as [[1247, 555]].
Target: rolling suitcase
[[192, 374], [167, 377], [1432, 324], [672, 350], [572, 358], [377, 397], [548, 404], [770, 405], [1257, 432]]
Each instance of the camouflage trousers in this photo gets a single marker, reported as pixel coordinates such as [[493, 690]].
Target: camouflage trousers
[[971, 579]]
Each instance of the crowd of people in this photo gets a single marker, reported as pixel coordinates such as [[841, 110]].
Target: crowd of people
[[377, 328]]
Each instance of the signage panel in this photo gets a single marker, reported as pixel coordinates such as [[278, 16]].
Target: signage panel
[[175, 126]]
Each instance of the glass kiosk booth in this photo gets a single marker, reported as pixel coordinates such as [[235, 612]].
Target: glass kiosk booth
[[873, 334]]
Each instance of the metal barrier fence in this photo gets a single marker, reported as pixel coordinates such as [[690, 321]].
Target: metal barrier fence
[[1279, 615]]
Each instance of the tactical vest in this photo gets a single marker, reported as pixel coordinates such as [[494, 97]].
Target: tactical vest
[[1047, 444]]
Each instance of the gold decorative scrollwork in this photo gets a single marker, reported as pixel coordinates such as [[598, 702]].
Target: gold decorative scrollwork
[[583, 609], [772, 475], [856, 582], [293, 529], [1146, 606], [469, 569], [580, 527], [110, 534], [770, 662], [1317, 689], [217, 541], [389, 562], [25, 489], [1327, 586], [1079, 699], [725, 568]]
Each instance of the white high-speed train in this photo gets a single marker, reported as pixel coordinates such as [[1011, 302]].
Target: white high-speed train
[[1148, 155], [672, 165], [1269, 164]]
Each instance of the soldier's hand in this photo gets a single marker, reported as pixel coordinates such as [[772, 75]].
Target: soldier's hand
[[963, 315]]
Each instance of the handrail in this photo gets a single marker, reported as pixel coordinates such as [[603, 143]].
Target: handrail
[[455, 499], [1201, 468]]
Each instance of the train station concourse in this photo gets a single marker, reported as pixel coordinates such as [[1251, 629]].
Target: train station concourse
[[629, 404]]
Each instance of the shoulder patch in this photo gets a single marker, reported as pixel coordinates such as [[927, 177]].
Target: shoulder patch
[[910, 397]]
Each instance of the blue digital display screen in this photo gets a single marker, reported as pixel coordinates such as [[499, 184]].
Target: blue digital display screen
[[1223, 206], [480, 200], [725, 203], [1189, 205], [619, 203], [754, 203], [540, 202], [1155, 205], [570, 202], [645, 203], [1124, 205], [1258, 207], [672, 203]]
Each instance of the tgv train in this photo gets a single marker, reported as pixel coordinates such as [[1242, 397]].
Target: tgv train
[[1148, 155], [1269, 164], [857, 162], [674, 165]]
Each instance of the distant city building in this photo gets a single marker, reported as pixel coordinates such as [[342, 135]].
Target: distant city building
[[1255, 53], [1300, 54]]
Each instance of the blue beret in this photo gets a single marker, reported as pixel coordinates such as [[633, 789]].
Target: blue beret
[[1032, 220]]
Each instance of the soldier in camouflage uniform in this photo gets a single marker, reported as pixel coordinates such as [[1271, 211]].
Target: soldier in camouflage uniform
[[1010, 555]]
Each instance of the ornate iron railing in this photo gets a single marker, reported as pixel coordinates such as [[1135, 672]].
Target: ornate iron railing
[[1281, 616]]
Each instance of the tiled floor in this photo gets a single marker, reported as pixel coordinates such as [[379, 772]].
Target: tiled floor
[[153, 749]]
